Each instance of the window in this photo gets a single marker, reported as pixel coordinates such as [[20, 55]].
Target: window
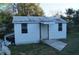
[[60, 27], [24, 27]]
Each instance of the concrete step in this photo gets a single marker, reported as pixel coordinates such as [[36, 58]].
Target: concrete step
[[59, 45], [49, 41]]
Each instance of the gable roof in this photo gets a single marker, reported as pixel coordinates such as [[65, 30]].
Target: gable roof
[[36, 19]]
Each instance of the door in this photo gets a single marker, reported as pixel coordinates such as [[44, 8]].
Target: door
[[44, 31]]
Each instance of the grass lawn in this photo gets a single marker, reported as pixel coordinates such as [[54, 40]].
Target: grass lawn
[[43, 49], [73, 44], [32, 49]]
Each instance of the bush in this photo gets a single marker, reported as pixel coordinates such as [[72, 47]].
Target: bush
[[1, 35]]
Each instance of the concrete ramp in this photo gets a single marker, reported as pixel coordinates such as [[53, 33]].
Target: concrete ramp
[[59, 45]]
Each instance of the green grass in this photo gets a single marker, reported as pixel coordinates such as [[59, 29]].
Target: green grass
[[42, 49], [73, 44], [32, 49]]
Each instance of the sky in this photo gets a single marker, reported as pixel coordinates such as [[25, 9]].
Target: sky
[[3, 6], [53, 8]]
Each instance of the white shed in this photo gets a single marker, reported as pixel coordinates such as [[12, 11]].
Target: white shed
[[32, 29]]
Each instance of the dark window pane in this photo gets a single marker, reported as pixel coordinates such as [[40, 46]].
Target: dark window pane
[[60, 27], [24, 27]]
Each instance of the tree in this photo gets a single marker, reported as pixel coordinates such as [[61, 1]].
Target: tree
[[73, 17], [70, 11], [70, 14], [6, 19], [76, 18], [29, 9], [63, 17]]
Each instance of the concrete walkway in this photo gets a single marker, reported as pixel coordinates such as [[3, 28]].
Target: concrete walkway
[[59, 45]]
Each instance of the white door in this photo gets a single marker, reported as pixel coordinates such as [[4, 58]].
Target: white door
[[44, 31]]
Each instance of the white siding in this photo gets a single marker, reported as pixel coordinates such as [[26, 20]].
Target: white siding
[[55, 34], [32, 36]]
